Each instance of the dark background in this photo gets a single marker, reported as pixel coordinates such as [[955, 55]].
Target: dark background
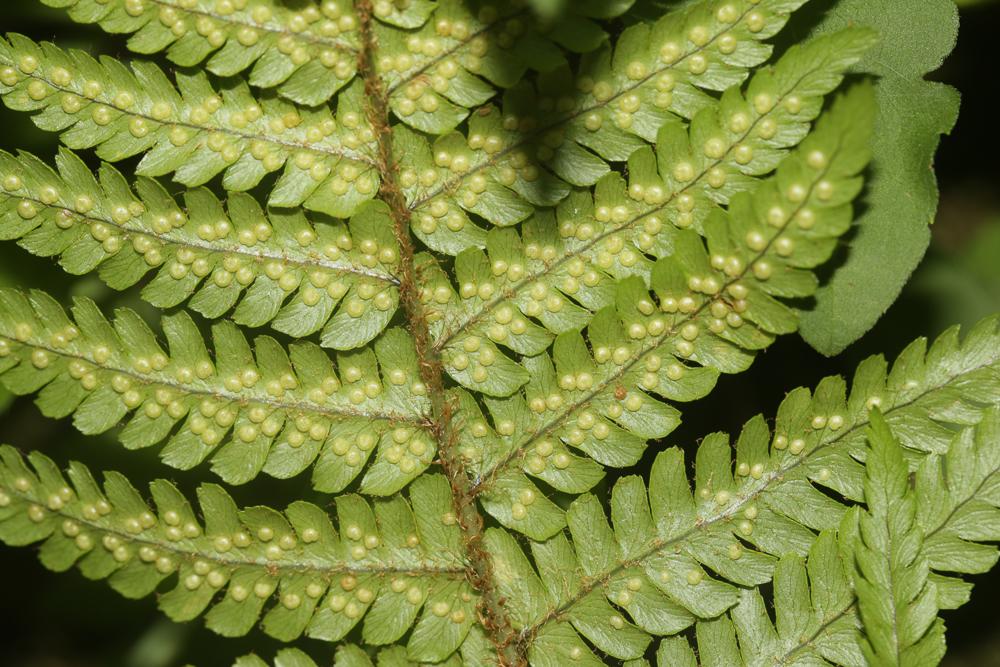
[[65, 620]]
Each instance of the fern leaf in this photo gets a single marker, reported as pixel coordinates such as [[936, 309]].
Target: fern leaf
[[608, 237], [458, 58], [348, 655], [395, 559], [896, 599], [957, 509], [537, 228], [814, 619], [268, 410], [805, 632], [816, 607], [193, 131], [806, 629], [280, 268], [716, 307], [307, 54], [671, 556], [545, 141]]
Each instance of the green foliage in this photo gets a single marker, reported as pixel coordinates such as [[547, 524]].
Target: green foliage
[[307, 62], [671, 558], [268, 409], [902, 192], [289, 657], [191, 130], [896, 600], [498, 247], [598, 401], [385, 563], [279, 267], [674, 553]]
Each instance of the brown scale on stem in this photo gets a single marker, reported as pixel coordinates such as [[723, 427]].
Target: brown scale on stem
[[492, 613]]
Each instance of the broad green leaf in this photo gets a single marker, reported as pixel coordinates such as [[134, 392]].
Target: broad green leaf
[[901, 196]]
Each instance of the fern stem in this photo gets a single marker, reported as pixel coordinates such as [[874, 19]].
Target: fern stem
[[492, 613]]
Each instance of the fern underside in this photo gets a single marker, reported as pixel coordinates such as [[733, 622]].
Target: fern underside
[[496, 253]]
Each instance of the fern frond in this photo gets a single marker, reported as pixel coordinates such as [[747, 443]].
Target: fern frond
[[609, 237], [218, 258], [671, 556], [390, 560], [192, 130], [454, 61], [307, 53], [896, 599], [537, 228], [711, 308], [545, 141], [268, 410], [348, 655], [818, 619], [351, 655], [435, 57], [439, 59], [814, 624], [453, 64], [957, 509]]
